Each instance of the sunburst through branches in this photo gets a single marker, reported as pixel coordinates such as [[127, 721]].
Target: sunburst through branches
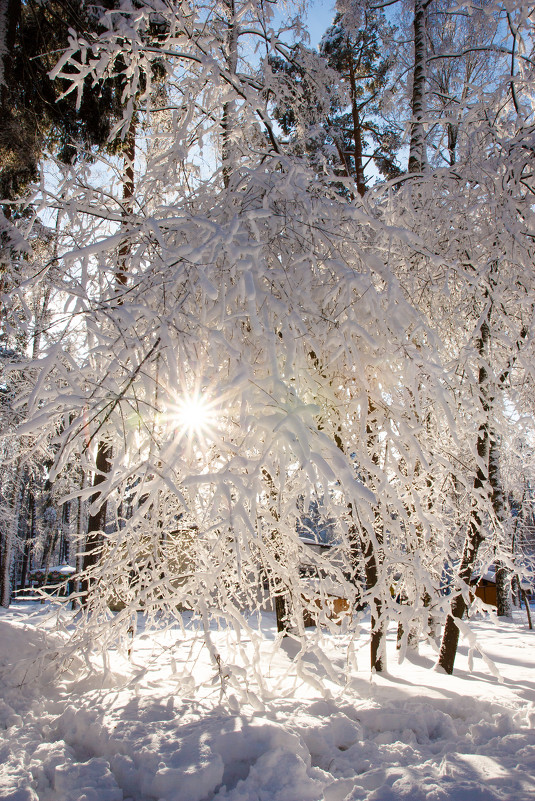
[[194, 415]]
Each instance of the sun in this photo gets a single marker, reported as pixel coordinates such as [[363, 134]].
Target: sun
[[193, 415]]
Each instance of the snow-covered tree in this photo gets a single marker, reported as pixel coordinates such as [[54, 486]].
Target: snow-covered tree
[[230, 339]]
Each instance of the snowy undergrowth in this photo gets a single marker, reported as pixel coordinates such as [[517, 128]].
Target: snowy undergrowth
[[152, 728]]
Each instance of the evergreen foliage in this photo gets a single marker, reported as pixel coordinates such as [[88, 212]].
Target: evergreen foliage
[[36, 115]]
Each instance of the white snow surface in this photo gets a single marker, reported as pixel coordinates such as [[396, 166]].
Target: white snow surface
[[163, 723]]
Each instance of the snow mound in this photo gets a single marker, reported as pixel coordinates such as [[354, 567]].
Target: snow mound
[[155, 754], [59, 776], [27, 655]]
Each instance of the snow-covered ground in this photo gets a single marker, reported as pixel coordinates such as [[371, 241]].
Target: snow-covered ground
[[167, 724]]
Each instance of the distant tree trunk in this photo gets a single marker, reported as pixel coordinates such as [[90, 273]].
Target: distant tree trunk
[[30, 536], [8, 540], [524, 596], [129, 159], [282, 597], [417, 149], [503, 574], [65, 532], [52, 541], [453, 132], [81, 531], [96, 523]]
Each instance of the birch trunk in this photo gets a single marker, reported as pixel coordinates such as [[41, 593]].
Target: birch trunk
[[417, 149], [227, 121]]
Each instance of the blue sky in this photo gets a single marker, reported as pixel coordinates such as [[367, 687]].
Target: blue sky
[[319, 16]]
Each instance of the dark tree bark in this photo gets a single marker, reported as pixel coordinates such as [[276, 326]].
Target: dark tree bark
[[378, 624], [9, 19], [96, 523], [525, 598]]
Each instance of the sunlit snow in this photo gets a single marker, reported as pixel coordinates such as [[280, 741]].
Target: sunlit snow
[[164, 725]]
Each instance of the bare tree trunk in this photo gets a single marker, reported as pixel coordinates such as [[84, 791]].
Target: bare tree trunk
[[378, 623], [51, 543], [475, 534], [503, 590], [373, 559], [453, 131], [128, 202], [523, 595], [417, 149], [96, 523], [357, 134]]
